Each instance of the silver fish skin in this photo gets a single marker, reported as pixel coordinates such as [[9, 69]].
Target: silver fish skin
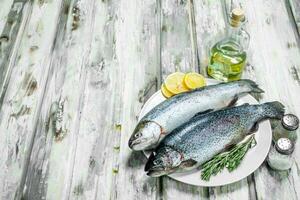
[[173, 112], [198, 140]]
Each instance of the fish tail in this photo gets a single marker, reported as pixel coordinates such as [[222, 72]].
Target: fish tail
[[274, 109], [254, 88]]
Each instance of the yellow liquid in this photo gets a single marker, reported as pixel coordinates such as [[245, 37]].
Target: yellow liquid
[[227, 61]]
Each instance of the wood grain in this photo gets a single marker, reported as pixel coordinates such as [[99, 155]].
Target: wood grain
[[176, 44], [87, 156], [210, 26], [139, 69], [59, 123], [22, 101], [13, 19], [177, 54], [74, 75], [294, 6], [273, 62], [211, 21]]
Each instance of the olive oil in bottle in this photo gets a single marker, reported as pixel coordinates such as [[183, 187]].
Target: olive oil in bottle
[[228, 56]]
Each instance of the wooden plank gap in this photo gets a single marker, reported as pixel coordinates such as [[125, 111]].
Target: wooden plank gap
[[61, 23], [19, 192], [252, 187], [18, 18], [227, 7], [82, 87], [158, 41], [293, 10], [193, 32], [159, 79]]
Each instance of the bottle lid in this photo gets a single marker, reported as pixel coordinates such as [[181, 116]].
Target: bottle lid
[[237, 15], [290, 122], [284, 146]]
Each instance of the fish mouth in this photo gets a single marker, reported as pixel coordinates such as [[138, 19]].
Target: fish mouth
[[150, 131], [131, 143], [159, 171], [138, 144], [149, 140], [156, 172]]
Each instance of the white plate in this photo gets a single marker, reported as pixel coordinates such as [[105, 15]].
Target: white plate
[[253, 159]]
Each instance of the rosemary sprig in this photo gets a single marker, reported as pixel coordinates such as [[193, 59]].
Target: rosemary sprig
[[230, 159]]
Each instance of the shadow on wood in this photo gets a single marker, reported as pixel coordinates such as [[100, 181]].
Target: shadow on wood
[[136, 159]]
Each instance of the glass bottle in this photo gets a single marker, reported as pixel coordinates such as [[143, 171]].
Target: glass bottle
[[228, 56], [280, 156], [287, 128]]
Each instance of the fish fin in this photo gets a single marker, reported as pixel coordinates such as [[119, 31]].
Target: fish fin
[[149, 162], [202, 113], [233, 101], [254, 128], [188, 163], [233, 142]]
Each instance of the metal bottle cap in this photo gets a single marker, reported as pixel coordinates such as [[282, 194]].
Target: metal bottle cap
[[284, 146], [290, 122]]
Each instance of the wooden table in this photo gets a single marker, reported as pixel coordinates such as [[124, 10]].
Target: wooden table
[[75, 74]]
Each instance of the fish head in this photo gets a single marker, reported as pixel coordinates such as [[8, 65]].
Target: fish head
[[145, 135], [163, 162]]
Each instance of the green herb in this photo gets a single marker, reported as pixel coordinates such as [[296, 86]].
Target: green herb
[[230, 159]]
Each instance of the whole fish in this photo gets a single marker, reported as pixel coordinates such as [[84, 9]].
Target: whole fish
[[173, 112], [197, 141]]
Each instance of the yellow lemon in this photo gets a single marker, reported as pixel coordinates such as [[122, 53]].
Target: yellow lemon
[[194, 80], [165, 91], [174, 83]]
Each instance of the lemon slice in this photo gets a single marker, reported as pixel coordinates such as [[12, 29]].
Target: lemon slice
[[194, 80], [174, 83], [165, 91]]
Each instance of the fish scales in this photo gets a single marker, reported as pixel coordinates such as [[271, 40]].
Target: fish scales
[[173, 112], [204, 136]]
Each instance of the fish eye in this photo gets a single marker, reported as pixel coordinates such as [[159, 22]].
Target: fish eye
[[137, 135]]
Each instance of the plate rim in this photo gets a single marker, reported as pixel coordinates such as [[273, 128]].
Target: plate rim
[[208, 184]]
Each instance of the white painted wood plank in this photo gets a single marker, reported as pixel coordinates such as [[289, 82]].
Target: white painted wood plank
[[92, 160], [139, 75], [13, 19], [105, 167], [98, 137], [51, 163], [274, 60], [23, 98], [237, 190], [177, 54], [176, 43], [4, 10], [294, 5], [210, 26], [51, 174]]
